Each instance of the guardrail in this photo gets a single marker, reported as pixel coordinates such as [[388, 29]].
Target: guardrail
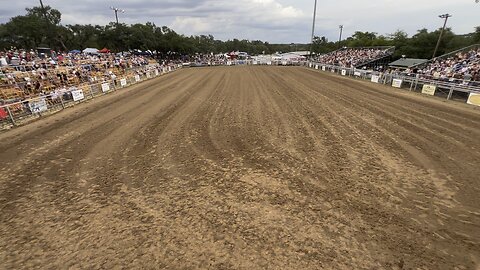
[[24, 111], [464, 91]]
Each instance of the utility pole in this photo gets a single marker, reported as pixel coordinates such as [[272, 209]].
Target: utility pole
[[313, 27], [341, 31], [116, 10], [443, 16]]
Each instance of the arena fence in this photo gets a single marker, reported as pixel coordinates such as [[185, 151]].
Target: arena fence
[[19, 113], [464, 91]]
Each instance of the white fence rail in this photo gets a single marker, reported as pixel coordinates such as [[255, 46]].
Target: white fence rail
[[465, 91], [24, 111]]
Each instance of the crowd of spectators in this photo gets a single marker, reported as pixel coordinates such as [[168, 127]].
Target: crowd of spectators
[[462, 66], [28, 73], [352, 57], [209, 59]]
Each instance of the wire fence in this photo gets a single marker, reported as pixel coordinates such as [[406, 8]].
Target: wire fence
[[24, 111], [459, 90], [19, 113]]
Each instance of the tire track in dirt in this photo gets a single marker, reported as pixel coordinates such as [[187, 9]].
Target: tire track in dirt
[[337, 108], [284, 166]]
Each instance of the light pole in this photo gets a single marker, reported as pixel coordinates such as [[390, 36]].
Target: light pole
[[443, 16], [313, 27], [116, 10], [341, 31]]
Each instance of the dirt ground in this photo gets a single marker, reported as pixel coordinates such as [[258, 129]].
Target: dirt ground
[[245, 168]]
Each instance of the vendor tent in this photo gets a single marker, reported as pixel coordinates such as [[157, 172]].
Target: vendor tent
[[90, 50], [104, 50]]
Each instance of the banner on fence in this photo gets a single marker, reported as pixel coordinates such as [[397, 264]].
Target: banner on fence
[[123, 82], [137, 78], [77, 95], [310, 65], [474, 99], [38, 105], [324, 68], [357, 73], [429, 89], [269, 63], [344, 72], [397, 83], [255, 62], [375, 78], [316, 66], [284, 63], [105, 87], [149, 75], [156, 72]]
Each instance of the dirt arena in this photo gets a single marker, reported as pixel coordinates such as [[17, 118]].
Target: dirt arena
[[245, 168]]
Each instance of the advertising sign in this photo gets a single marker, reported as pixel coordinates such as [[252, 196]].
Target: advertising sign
[[137, 78], [397, 83], [105, 87], [38, 105], [344, 72], [375, 78], [474, 99], [123, 82], [77, 95], [429, 89]]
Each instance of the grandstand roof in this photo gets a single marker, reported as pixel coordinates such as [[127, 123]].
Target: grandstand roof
[[407, 62]]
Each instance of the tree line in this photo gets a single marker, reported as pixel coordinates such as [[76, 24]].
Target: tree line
[[42, 28]]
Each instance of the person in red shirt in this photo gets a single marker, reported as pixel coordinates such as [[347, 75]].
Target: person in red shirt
[[3, 113]]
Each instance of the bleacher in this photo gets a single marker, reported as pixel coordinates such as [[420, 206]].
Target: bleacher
[[360, 57], [23, 78], [458, 66]]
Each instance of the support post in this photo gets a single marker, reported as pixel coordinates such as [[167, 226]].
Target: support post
[[451, 92], [61, 101], [11, 116]]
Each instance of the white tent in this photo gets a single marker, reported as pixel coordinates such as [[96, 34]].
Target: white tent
[[90, 50], [293, 57]]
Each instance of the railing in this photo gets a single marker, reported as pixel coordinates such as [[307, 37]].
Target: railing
[[24, 111], [444, 56], [452, 89]]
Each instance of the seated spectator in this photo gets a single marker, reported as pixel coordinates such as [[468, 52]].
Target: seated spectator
[[353, 57], [462, 66]]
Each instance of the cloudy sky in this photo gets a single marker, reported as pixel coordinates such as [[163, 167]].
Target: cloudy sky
[[276, 21]]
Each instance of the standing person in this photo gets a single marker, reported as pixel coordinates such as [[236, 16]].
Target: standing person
[[114, 78], [3, 112]]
